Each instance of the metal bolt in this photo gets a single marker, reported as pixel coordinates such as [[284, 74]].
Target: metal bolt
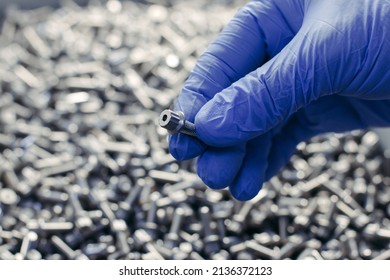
[[283, 223], [127, 206], [172, 238], [385, 255], [310, 254], [364, 250], [175, 122], [307, 214], [165, 177], [150, 225], [267, 238], [83, 222], [48, 195], [8, 197], [370, 198], [65, 249], [352, 244], [294, 243], [259, 249], [237, 224], [28, 243], [210, 240], [57, 227], [33, 255], [374, 231], [95, 250], [194, 239], [144, 240]]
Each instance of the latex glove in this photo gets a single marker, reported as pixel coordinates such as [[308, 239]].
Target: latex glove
[[281, 72]]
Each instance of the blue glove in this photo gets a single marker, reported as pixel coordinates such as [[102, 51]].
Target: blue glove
[[281, 72]]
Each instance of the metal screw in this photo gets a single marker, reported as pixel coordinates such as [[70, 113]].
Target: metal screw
[[210, 240], [65, 249], [172, 238], [175, 122], [259, 249]]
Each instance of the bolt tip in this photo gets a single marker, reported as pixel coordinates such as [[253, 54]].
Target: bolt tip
[[171, 120], [165, 118]]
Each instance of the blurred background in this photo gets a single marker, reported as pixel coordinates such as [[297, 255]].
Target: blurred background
[[33, 4], [85, 171]]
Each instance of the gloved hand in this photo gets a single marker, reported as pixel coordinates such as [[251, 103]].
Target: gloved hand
[[281, 72]]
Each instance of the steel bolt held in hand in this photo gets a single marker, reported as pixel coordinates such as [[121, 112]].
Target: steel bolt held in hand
[[174, 122]]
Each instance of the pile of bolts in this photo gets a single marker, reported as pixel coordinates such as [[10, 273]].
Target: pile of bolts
[[85, 171]]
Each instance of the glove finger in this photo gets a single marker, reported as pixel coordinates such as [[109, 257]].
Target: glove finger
[[372, 113], [305, 70], [250, 178], [328, 114], [258, 30], [184, 147], [218, 167], [284, 146]]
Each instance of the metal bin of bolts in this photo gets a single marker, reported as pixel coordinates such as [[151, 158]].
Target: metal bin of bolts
[[85, 171]]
